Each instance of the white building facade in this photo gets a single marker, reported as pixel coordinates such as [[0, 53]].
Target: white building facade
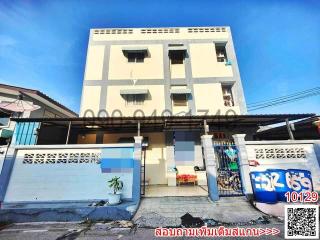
[[158, 71]]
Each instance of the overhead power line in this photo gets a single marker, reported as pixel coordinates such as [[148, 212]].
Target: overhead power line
[[284, 99]]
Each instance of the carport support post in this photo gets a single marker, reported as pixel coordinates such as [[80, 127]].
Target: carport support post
[[68, 133], [211, 166], [136, 191], [243, 164], [289, 129]]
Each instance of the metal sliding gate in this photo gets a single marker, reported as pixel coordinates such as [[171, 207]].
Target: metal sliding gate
[[229, 182]]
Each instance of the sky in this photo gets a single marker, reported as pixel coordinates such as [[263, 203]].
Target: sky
[[43, 44]]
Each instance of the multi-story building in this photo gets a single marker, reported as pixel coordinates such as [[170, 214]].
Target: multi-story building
[[158, 71], [152, 72]]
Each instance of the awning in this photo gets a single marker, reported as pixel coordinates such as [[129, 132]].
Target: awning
[[6, 133], [168, 123], [132, 49], [177, 48], [134, 91], [180, 91]]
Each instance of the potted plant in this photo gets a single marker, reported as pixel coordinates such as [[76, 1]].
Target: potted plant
[[116, 184]]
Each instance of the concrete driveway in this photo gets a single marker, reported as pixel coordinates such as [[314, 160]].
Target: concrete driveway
[[167, 211]]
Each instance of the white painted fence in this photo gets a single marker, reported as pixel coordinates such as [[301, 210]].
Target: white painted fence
[[289, 154], [62, 173], [284, 155]]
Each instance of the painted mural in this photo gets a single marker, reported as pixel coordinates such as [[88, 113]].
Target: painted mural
[[270, 186]]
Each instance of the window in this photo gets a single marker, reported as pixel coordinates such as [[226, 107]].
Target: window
[[227, 96], [221, 52], [177, 57], [4, 121], [137, 57], [135, 99], [179, 100]]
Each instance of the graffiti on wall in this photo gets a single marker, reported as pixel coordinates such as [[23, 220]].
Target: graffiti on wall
[[270, 186]]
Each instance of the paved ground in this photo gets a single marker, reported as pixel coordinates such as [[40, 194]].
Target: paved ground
[[182, 191], [167, 211], [153, 212], [97, 231]]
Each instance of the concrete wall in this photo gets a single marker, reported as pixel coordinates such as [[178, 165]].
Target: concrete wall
[[136, 34], [214, 90], [3, 151], [151, 68], [94, 66], [204, 62], [211, 166], [63, 173], [156, 159], [297, 154], [177, 71], [92, 102]]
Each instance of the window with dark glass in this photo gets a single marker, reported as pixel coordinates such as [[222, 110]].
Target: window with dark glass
[[135, 99], [221, 52], [179, 100], [177, 57], [227, 96], [136, 57]]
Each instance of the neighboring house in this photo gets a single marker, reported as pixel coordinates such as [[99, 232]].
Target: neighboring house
[[49, 108], [157, 71]]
